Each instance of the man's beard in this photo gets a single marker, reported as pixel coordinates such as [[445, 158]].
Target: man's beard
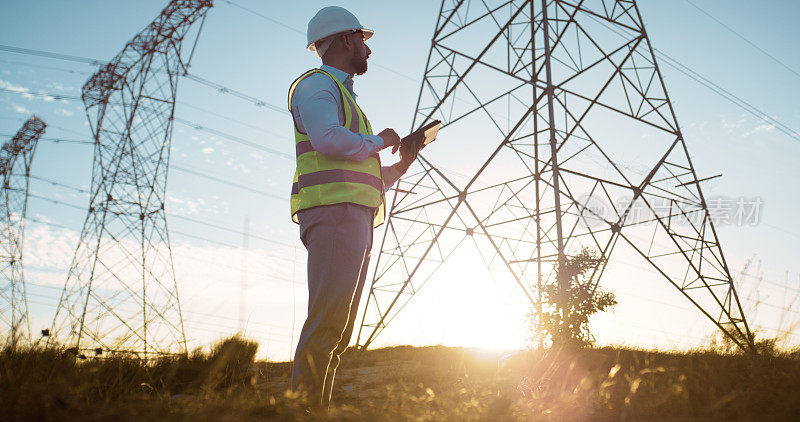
[[360, 64]]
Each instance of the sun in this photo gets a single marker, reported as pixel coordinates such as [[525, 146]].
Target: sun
[[465, 305]]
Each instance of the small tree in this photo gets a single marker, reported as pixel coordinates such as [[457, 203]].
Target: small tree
[[571, 299], [761, 345]]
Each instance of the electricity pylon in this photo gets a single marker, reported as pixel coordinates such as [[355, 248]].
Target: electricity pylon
[[16, 157], [562, 94], [121, 294]]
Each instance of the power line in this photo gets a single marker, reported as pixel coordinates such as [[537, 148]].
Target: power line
[[751, 299], [781, 229], [188, 123], [210, 177], [201, 324], [96, 62], [52, 55], [206, 239], [199, 327], [722, 92], [195, 126], [272, 276], [230, 119], [225, 90], [182, 103], [204, 328], [227, 182], [677, 65], [646, 328], [65, 141], [57, 140], [46, 95], [669, 60], [231, 230], [187, 171], [628, 293], [51, 287], [774, 283], [275, 21], [57, 183], [299, 31], [70, 131], [233, 138], [758, 302], [656, 330], [39, 66], [743, 38], [189, 219]]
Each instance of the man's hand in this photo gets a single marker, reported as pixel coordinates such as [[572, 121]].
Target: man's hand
[[390, 139], [407, 157]]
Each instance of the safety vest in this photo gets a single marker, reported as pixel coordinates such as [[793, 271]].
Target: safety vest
[[322, 180]]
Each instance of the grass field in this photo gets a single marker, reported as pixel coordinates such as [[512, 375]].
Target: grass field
[[406, 383]]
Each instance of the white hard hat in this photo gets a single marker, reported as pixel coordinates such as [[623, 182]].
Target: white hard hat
[[333, 20]]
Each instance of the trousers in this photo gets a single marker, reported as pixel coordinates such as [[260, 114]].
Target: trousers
[[338, 239]]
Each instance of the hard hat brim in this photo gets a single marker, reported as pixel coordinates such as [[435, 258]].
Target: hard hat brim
[[368, 33]]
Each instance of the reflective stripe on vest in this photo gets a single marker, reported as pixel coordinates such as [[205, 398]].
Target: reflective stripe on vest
[[322, 180]]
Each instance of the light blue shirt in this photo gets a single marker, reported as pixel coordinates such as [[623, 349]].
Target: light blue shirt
[[317, 111]]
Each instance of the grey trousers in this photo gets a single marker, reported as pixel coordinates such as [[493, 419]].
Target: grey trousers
[[338, 239]]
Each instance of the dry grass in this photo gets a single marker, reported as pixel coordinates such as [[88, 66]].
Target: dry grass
[[406, 383]]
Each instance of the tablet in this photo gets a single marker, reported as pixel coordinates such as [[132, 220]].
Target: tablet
[[422, 136]]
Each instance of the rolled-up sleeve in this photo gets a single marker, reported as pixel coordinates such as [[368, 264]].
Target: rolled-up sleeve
[[390, 175], [318, 109]]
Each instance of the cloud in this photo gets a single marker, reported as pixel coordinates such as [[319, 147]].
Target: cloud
[[13, 88], [209, 278], [207, 150], [60, 87], [26, 93], [48, 249], [20, 109], [733, 126], [64, 112], [761, 128], [191, 206], [236, 165]]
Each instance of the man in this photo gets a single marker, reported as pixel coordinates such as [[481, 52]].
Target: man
[[337, 195]]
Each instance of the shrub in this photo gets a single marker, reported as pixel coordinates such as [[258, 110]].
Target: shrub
[[572, 299], [230, 362]]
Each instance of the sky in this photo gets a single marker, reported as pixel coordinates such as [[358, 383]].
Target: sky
[[258, 48]]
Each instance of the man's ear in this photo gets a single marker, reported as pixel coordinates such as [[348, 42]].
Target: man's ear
[[347, 44]]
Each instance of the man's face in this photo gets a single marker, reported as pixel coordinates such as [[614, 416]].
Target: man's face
[[360, 52]]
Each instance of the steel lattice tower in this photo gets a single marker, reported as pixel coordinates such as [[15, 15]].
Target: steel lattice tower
[[121, 293], [561, 93], [16, 157]]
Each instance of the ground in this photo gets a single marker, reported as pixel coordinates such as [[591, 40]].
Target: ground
[[407, 383]]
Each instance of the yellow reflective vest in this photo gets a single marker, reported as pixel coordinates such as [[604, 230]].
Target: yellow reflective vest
[[322, 180]]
